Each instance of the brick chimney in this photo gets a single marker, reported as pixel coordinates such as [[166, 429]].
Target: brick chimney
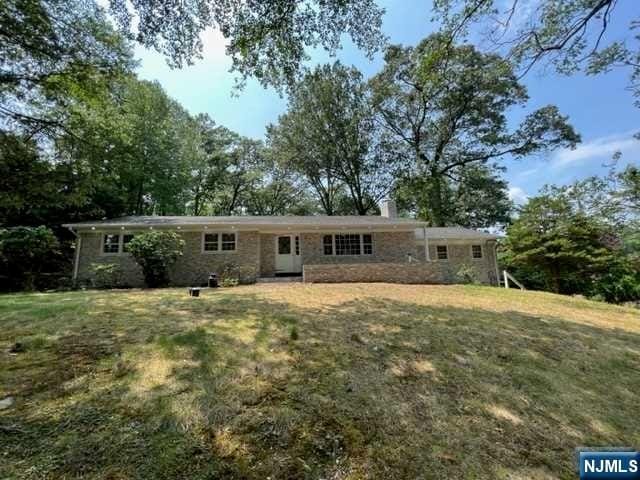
[[388, 209]]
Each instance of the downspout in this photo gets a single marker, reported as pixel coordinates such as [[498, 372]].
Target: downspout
[[76, 262], [426, 245], [495, 260]]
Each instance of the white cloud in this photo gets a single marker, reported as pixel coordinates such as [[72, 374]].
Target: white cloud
[[518, 195], [601, 148]]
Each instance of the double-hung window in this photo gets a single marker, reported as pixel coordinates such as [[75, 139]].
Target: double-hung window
[[111, 243], [476, 251], [442, 252], [116, 243], [210, 242], [348, 244], [218, 242]]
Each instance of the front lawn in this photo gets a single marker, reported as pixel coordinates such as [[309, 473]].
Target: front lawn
[[313, 381]]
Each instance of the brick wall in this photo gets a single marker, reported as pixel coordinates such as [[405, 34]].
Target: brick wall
[[267, 254], [387, 247], [192, 268], [401, 271]]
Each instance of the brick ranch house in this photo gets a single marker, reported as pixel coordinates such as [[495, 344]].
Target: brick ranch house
[[318, 248]]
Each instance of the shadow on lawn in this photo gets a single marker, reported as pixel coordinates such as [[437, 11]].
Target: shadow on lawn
[[370, 389]]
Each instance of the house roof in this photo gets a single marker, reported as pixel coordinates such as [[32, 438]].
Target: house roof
[[458, 233], [251, 221], [285, 222]]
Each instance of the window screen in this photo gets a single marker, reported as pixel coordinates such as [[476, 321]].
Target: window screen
[[348, 244], [327, 243], [111, 243], [210, 242], [367, 244], [228, 241], [284, 245]]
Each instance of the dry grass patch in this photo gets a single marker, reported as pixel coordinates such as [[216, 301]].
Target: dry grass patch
[[378, 381]]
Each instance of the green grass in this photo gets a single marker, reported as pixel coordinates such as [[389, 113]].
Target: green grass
[[313, 381]]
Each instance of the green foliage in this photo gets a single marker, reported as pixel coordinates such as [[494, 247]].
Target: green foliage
[[54, 51], [569, 34], [229, 282], [106, 275], [568, 247], [230, 275], [468, 274], [581, 238], [329, 137], [156, 252], [445, 106], [293, 333], [25, 253], [265, 39]]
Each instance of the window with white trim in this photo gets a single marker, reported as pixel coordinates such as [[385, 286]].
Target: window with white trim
[[111, 243], [218, 242], [210, 242], [228, 242], [348, 244], [367, 244], [476, 251], [442, 252], [327, 242]]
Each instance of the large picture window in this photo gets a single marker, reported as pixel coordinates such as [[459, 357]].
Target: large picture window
[[218, 242], [348, 244]]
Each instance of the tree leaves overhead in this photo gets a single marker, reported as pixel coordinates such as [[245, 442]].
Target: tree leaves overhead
[[570, 34], [54, 53], [266, 38]]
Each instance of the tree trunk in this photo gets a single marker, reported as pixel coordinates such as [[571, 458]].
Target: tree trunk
[[435, 198]]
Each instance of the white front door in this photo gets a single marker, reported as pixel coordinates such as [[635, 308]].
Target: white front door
[[288, 259]]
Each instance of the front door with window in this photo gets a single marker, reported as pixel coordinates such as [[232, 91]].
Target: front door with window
[[288, 259]]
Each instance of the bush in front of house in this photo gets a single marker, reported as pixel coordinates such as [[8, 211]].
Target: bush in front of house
[[26, 253], [467, 274], [156, 252], [106, 275]]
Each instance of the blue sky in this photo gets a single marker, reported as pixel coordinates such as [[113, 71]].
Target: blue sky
[[599, 107]]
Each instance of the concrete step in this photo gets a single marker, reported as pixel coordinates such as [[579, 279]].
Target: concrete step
[[279, 279]]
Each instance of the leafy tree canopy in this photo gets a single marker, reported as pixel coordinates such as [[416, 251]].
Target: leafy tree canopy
[[445, 105], [266, 38], [329, 136], [54, 53]]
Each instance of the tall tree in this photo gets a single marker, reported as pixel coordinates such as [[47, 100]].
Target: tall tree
[[446, 107], [328, 135], [135, 148], [565, 248]]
